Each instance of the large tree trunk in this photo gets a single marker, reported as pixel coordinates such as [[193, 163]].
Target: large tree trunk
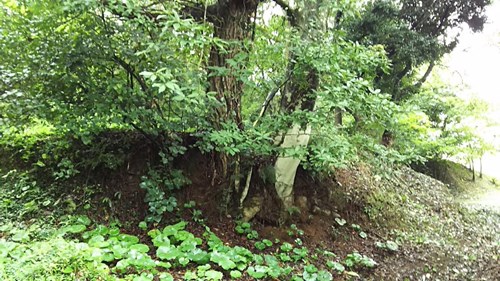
[[299, 96], [232, 22]]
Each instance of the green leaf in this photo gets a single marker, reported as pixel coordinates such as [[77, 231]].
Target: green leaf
[[146, 74], [119, 251], [102, 230], [114, 231], [165, 265], [122, 265], [311, 268], [198, 256], [235, 274], [335, 266], [391, 245], [76, 228], [168, 252], [324, 276], [222, 260], [190, 275], [172, 86], [267, 242], [258, 271], [98, 241], [143, 225], [143, 277], [142, 248], [128, 239], [165, 276], [108, 257], [308, 276], [83, 220], [286, 247], [214, 275], [183, 261], [161, 88]]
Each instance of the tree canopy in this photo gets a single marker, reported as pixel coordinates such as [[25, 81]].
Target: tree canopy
[[239, 75]]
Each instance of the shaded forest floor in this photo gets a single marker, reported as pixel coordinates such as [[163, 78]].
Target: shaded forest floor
[[362, 224]]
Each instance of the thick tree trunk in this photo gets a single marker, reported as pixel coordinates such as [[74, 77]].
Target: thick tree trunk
[[473, 170], [338, 117], [232, 22], [286, 167], [481, 167]]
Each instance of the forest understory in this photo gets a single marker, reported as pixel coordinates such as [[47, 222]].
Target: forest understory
[[359, 224]]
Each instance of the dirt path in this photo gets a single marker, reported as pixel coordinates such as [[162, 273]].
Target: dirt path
[[489, 199], [487, 196]]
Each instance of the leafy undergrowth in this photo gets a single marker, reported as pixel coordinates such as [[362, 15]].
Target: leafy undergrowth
[[401, 225], [80, 250]]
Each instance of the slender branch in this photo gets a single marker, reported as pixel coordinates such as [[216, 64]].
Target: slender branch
[[193, 9], [142, 132], [201, 12], [399, 77], [269, 98], [130, 71], [139, 79], [112, 8], [426, 74]]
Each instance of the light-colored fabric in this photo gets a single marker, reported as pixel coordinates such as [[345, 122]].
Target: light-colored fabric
[[286, 167]]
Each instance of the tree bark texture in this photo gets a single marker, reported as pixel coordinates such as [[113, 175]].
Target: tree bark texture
[[232, 22]]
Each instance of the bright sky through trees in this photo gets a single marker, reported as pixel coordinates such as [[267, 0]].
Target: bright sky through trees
[[475, 63]]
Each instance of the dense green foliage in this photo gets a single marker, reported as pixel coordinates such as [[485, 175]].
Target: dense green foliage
[[84, 84], [414, 33], [235, 76], [80, 68]]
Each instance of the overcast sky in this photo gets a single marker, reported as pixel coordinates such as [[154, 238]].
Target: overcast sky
[[476, 63], [476, 60]]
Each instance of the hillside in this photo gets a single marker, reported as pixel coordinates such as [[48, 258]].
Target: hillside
[[361, 224]]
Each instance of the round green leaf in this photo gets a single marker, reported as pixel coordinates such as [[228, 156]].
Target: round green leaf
[[213, 275], [235, 274], [140, 248], [76, 228]]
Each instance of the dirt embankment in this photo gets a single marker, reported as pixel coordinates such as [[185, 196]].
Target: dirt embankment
[[438, 237]]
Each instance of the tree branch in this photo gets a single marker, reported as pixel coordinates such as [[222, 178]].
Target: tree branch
[[200, 12], [193, 9], [426, 74], [269, 98], [130, 71], [292, 14]]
